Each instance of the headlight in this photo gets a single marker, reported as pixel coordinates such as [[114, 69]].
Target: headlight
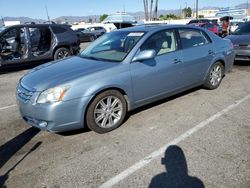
[[52, 95]]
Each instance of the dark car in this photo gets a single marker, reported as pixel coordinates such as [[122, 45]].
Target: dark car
[[241, 41], [36, 42], [98, 31], [196, 21], [85, 35]]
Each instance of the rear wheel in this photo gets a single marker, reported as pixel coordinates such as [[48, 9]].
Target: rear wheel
[[92, 38], [106, 112], [214, 76], [61, 53]]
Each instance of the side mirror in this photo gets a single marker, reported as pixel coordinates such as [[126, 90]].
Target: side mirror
[[144, 55]]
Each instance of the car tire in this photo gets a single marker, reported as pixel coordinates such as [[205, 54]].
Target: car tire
[[106, 112], [61, 53], [92, 38], [214, 76]]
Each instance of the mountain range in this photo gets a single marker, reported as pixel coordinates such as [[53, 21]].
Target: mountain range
[[95, 18]]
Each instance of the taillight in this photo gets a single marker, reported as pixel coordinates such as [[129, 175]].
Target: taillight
[[231, 45]]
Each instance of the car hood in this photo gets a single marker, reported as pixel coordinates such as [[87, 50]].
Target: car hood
[[239, 39], [63, 71]]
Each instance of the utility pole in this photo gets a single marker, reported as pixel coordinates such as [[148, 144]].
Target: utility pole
[[47, 13], [197, 16], [2, 21], [247, 8]]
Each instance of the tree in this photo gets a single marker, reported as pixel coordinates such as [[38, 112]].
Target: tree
[[187, 12], [169, 17], [145, 2], [103, 17], [151, 10], [156, 9]]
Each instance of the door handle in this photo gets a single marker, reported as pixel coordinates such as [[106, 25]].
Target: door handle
[[177, 61], [211, 52]]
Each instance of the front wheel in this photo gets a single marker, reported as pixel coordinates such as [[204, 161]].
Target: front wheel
[[214, 76], [106, 112]]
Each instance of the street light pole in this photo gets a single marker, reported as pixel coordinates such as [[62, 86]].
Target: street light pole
[[247, 8], [197, 16]]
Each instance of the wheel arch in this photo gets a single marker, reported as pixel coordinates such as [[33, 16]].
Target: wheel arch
[[122, 91], [61, 46]]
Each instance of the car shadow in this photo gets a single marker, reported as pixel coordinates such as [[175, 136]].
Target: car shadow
[[242, 63], [9, 149], [5, 177], [75, 132], [176, 174]]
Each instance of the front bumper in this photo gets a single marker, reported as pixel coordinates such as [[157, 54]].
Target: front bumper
[[242, 54], [54, 117]]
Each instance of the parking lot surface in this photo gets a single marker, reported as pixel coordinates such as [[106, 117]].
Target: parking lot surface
[[199, 138]]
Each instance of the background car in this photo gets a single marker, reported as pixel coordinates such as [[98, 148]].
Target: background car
[[85, 35], [241, 42], [234, 25], [121, 71], [98, 31], [211, 27], [35, 42], [198, 21]]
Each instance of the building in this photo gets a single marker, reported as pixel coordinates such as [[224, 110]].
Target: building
[[234, 12], [206, 13]]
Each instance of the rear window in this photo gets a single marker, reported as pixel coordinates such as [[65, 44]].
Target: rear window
[[57, 29]]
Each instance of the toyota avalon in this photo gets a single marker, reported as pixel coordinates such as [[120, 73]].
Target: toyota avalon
[[119, 72]]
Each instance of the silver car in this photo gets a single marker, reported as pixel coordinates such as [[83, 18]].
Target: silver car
[[119, 72]]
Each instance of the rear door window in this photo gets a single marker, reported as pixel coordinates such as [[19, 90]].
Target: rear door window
[[192, 38], [58, 30]]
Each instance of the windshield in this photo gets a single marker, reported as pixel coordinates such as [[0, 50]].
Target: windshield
[[242, 29], [113, 46]]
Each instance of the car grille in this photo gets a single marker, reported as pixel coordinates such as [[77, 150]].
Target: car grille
[[24, 93]]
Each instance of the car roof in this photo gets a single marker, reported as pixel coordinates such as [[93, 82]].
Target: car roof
[[155, 27]]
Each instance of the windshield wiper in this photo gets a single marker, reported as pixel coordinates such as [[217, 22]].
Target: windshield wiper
[[99, 59], [91, 57]]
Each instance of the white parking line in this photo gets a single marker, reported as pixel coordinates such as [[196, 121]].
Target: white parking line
[[140, 164], [6, 107]]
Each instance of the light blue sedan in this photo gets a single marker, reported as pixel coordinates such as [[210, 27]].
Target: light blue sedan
[[119, 72]]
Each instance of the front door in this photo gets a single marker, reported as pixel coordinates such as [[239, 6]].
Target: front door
[[160, 75], [14, 46]]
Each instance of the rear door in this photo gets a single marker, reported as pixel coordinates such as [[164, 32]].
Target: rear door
[[160, 75], [197, 52]]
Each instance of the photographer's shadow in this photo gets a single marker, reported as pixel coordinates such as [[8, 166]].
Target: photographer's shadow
[[176, 175]]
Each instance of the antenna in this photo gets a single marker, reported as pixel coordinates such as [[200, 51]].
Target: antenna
[[247, 8], [47, 13]]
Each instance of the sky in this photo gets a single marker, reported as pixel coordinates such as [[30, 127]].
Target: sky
[[57, 8]]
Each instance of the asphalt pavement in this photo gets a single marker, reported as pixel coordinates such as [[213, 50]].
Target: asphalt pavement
[[199, 138]]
